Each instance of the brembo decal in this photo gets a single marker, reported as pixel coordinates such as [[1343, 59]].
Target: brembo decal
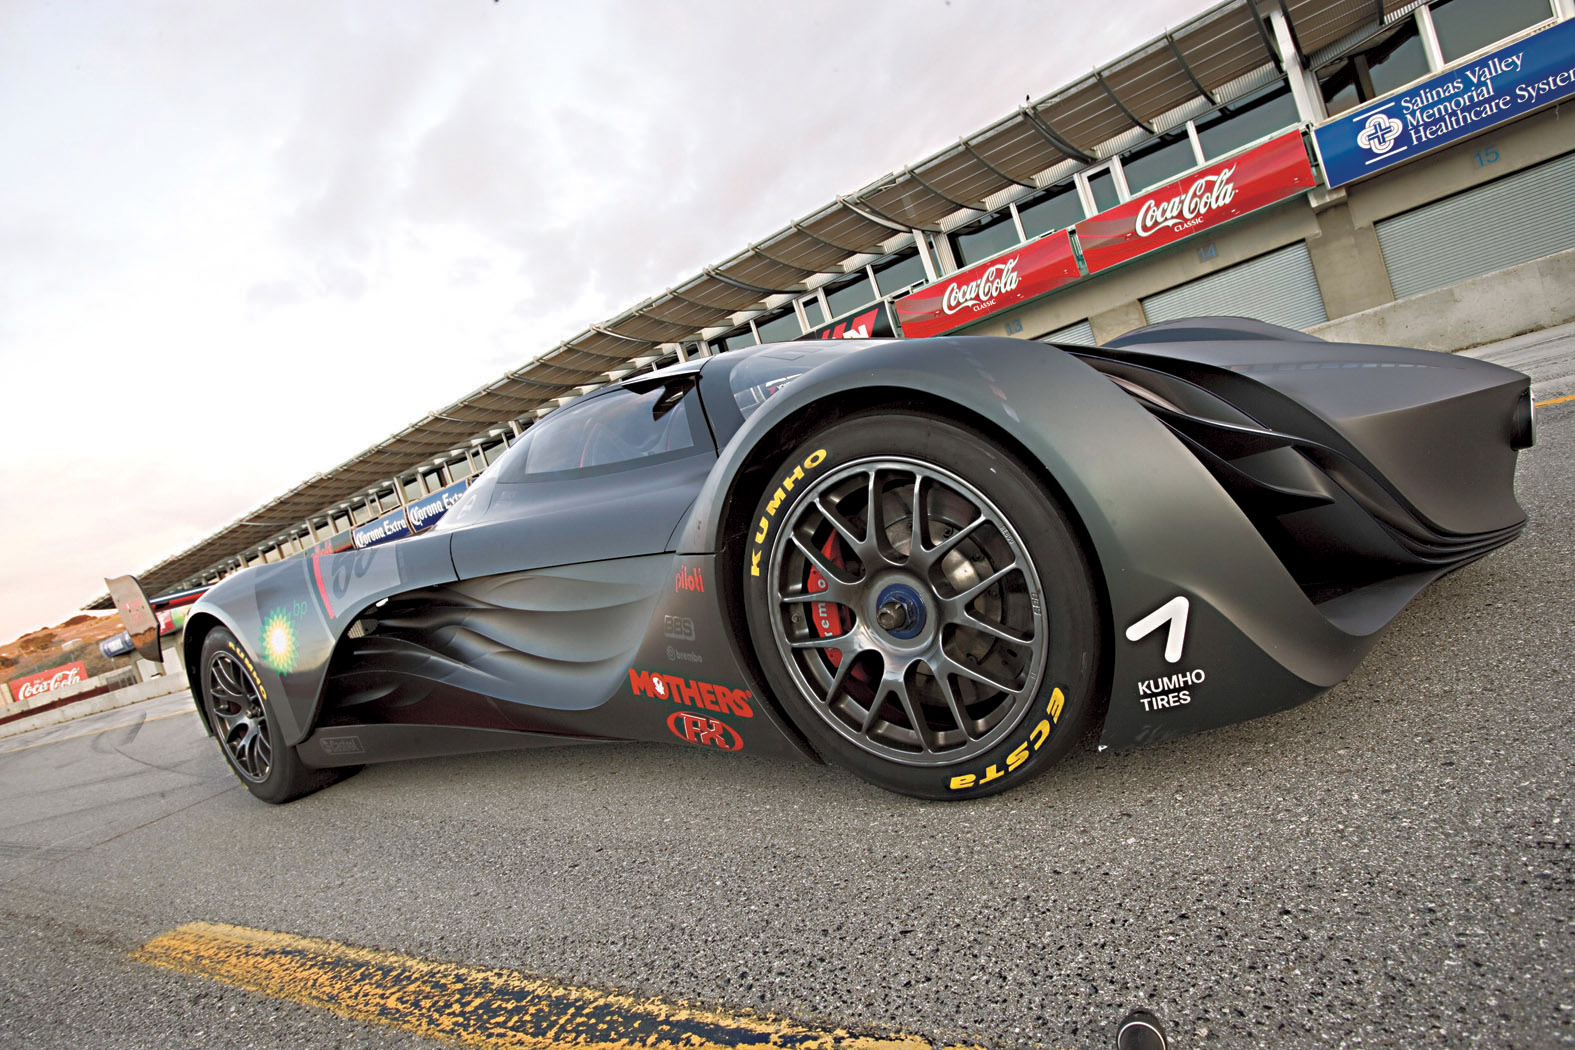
[[1020, 754], [679, 690], [684, 656], [811, 461], [706, 732]]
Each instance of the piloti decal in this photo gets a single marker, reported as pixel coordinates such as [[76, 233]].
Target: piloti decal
[[796, 475], [1020, 754], [680, 690], [687, 579], [706, 732]]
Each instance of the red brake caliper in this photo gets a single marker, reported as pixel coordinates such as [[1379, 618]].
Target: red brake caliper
[[827, 615]]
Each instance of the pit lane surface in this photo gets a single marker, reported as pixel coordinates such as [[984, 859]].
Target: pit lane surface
[[1388, 865]]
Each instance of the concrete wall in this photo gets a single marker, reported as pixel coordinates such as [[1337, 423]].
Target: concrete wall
[[132, 694], [1496, 305], [173, 680]]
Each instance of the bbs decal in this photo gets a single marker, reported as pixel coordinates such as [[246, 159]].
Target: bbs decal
[[774, 504]]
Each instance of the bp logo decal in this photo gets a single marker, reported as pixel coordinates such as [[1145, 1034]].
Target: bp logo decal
[[278, 644]]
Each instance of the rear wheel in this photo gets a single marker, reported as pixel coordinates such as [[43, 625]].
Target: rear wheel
[[241, 713], [921, 606]]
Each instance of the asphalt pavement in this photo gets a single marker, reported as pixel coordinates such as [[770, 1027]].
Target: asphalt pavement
[[1389, 865]]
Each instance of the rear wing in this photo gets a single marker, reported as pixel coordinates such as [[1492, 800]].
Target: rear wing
[[136, 612]]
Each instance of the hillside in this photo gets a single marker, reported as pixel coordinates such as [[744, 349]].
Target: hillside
[[74, 639]]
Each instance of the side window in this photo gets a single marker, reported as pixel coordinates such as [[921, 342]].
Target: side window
[[737, 339], [1055, 209], [847, 294], [1248, 119], [899, 274], [621, 428], [782, 328], [1158, 161], [987, 237], [1465, 26]]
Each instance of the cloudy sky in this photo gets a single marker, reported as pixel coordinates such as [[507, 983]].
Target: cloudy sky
[[241, 242]]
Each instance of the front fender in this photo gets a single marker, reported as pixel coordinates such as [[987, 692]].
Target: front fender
[[1244, 639]]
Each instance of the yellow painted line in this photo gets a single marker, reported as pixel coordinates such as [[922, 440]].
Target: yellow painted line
[[475, 1006], [1556, 400], [91, 732]]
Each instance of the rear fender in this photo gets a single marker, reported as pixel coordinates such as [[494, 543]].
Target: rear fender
[[289, 615]]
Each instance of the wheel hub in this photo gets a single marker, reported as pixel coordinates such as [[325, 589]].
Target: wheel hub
[[900, 611]]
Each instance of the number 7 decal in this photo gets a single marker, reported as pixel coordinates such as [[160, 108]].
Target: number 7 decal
[[1174, 611]]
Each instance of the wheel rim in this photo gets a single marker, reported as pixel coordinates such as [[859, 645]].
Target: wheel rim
[[908, 611], [238, 717]]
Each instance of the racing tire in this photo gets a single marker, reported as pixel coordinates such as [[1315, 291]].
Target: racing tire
[[921, 606], [242, 717]]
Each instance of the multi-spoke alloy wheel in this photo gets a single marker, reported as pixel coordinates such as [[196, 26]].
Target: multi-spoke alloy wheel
[[238, 717], [909, 609], [241, 717], [922, 599]]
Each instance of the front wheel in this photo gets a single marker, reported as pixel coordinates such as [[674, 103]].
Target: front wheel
[[921, 606], [241, 713]]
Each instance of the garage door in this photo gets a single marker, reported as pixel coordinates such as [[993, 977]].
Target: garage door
[[1278, 287], [1512, 220], [1081, 334]]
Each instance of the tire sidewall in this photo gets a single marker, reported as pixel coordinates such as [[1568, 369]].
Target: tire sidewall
[[1045, 728]]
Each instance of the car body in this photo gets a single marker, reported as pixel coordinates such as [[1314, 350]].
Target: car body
[[931, 561]]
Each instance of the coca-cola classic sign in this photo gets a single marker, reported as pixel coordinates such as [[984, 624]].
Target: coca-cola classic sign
[[975, 293], [24, 689], [1262, 176]]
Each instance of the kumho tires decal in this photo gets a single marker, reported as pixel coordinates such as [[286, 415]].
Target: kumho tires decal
[[785, 486]]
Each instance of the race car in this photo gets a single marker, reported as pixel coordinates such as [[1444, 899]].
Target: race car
[[933, 562]]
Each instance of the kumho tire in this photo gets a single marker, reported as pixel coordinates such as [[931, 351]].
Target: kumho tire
[[242, 717], [921, 606]]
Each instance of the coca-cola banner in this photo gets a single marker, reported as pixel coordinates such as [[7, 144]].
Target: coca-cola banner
[[872, 322], [24, 689], [1218, 193], [975, 293]]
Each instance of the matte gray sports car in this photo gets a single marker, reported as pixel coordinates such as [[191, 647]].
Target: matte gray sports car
[[932, 562]]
